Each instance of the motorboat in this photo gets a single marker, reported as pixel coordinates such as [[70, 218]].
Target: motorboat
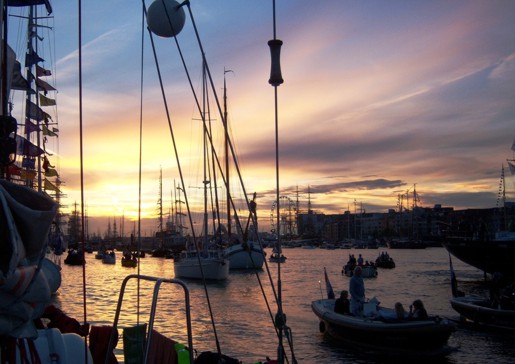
[[130, 262], [367, 271], [377, 330], [384, 260], [75, 257], [109, 257], [495, 311], [479, 310], [277, 258]]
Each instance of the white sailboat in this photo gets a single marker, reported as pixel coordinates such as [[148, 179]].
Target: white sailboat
[[204, 258], [242, 252]]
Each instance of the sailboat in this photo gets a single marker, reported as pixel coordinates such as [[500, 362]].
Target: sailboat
[[203, 257], [242, 252], [486, 238]]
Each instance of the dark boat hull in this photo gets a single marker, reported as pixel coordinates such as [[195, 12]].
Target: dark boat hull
[[477, 310], [426, 335], [489, 256]]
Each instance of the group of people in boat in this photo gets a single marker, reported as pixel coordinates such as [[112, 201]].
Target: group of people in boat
[[352, 263], [384, 260], [354, 305]]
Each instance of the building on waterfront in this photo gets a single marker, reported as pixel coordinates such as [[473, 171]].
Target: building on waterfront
[[420, 223]]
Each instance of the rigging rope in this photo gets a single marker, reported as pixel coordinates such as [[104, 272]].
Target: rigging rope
[[279, 322], [81, 152], [276, 80], [140, 164], [181, 176]]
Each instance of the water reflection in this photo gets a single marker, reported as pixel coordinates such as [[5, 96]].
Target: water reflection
[[243, 323]]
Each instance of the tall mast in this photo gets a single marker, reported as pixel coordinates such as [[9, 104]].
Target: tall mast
[[226, 129], [205, 154], [160, 207]]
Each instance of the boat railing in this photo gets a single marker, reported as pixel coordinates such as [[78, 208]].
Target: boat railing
[[157, 286]]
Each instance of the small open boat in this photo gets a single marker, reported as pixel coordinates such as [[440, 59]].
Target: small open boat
[[277, 258], [428, 336], [384, 260], [367, 271], [131, 262], [109, 257], [75, 257]]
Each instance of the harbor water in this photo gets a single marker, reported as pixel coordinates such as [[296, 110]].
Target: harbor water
[[243, 323]]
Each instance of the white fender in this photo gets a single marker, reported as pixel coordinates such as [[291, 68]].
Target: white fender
[[54, 347]]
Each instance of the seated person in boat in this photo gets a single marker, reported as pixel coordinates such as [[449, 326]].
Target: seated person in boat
[[400, 313], [395, 315], [342, 304], [417, 311]]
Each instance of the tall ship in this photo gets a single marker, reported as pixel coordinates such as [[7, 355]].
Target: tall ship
[[29, 108], [485, 238]]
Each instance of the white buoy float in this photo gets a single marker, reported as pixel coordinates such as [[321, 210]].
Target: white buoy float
[[166, 18]]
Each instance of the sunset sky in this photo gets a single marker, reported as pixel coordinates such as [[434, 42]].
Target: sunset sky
[[378, 96]]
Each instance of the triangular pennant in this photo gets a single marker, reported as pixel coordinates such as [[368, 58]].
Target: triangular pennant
[[30, 126], [51, 173], [49, 186], [34, 112], [31, 59], [48, 132], [18, 82], [45, 86], [41, 72], [26, 148], [46, 101]]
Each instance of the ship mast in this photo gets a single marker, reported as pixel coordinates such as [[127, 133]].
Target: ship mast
[[226, 146]]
